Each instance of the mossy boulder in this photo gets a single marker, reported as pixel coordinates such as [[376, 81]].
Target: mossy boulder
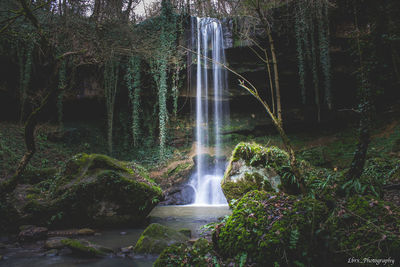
[[85, 249], [97, 190], [254, 167], [200, 254], [157, 237], [363, 227], [271, 228], [54, 243]]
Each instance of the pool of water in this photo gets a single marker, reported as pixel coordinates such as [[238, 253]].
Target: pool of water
[[177, 217]]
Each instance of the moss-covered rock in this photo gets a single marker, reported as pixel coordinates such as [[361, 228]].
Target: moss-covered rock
[[85, 249], [54, 243], [271, 228], [101, 191], [187, 232], [364, 227], [254, 167], [93, 190], [200, 254], [157, 237]]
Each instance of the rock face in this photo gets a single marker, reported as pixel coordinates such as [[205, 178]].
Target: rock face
[[175, 182], [101, 191], [157, 237], [254, 167]]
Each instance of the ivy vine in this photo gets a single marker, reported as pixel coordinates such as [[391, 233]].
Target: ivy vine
[[132, 78], [61, 86], [111, 72], [308, 38]]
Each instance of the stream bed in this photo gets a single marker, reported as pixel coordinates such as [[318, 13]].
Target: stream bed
[[177, 217]]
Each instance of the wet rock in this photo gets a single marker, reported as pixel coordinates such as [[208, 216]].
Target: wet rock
[[51, 253], [127, 249], [32, 233], [54, 243], [157, 237], [64, 251], [86, 231], [72, 232], [86, 249], [175, 181], [179, 195]]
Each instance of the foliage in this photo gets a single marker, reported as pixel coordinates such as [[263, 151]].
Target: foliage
[[133, 80], [363, 226], [61, 86], [159, 67], [271, 228], [307, 14], [111, 71], [199, 254], [25, 75]]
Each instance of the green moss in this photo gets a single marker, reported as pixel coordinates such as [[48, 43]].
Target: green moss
[[187, 232], [271, 228], [96, 190], [200, 254], [251, 181], [157, 237], [178, 169], [363, 226], [254, 167], [81, 248]]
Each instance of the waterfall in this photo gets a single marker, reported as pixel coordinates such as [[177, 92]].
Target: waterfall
[[211, 80]]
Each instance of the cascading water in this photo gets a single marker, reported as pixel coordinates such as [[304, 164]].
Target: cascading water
[[210, 112]]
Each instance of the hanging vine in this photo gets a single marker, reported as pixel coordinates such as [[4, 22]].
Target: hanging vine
[[132, 78], [111, 72], [323, 32], [25, 77], [314, 71], [300, 26], [61, 86], [312, 44], [159, 67], [175, 86]]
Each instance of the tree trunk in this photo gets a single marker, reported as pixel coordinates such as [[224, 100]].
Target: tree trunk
[[30, 125], [276, 75], [360, 155]]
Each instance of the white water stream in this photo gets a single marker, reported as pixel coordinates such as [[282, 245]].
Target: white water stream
[[211, 85]]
